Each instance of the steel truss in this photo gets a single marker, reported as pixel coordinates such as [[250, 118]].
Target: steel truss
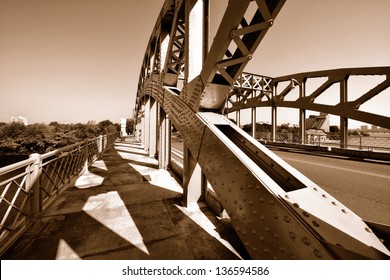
[[277, 212]]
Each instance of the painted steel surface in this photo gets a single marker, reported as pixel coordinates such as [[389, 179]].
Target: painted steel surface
[[277, 212]]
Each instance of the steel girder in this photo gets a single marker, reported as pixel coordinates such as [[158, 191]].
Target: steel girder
[[345, 107], [277, 212]]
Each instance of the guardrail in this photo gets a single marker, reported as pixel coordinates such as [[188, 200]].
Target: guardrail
[[30, 186], [369, 143]]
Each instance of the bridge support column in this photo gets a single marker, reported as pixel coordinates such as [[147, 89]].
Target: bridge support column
[[253, 115], [146, 125], [153, 128], [274, 119], [238, 118], [164, 153], [343, 120], [302, 115], [194, 181]]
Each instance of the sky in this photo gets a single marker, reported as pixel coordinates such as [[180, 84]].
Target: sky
[[79, 60]]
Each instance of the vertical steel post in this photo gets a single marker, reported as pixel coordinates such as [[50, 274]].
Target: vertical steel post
[[274, 116], [164, 156], [193, 180], [146, 131], [302, 114], [343, 120], [85, 156], [193, 177], [33, 189], [153, 128], [253, 122]]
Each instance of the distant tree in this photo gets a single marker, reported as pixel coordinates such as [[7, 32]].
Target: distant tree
[[130, 125], [12, 130]]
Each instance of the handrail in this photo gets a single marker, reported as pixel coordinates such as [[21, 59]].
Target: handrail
[[30, 186]]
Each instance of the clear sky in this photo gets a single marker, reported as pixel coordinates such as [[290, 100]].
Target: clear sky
[[79, 60]]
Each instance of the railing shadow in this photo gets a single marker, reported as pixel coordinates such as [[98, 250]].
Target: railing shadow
[[119, 214]]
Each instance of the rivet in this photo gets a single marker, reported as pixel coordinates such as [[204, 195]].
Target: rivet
[[240, 206], [368, 230], [235, 201], [244, 232], [281, 249], [306, 241], [247, 244], [266, 250], [233, 180], [287, 196], [271, 202], [324, 196], [262, 217], [315, 189], [317, 253], [253, 232], [266, 229], [254, 249], [296, 205], [244, 198], [246, 173], [316, 224], [276, 235], [250, 221], [258, 187], [305, 214], [236, 169], [275, 258], [250, 202], [261, 199], [254, 212], [334, 203], [261, 238], [286, 219], [249, 186], [241, 187], [344, 211], [292, 235], [229, 189]]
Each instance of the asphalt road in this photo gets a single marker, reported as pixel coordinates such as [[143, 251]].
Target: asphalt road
[[363, 186]]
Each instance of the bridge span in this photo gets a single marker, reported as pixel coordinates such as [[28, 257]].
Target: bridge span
[[185, 83]]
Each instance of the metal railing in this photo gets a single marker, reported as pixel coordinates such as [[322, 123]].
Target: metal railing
[[30, 186], [369, 143]]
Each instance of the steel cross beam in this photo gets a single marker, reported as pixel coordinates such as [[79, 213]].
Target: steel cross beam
[[277, 212], [345, 107]]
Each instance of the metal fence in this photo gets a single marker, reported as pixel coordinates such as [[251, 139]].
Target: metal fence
[[370, 143], [29, 187]]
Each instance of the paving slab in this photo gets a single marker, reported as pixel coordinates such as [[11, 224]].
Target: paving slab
[[124, 207]]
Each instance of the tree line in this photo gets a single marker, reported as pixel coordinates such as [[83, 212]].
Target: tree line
[[19, 139]]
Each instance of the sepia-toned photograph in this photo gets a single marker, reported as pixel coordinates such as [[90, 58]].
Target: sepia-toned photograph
[[193, 130]]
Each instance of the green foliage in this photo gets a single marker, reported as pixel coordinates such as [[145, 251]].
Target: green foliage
[[18, 139]]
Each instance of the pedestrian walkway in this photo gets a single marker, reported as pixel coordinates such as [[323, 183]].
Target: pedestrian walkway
[[126, 208]]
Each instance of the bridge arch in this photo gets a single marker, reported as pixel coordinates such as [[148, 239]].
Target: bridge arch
[[184, 82]]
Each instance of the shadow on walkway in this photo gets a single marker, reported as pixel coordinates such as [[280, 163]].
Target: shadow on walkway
[[125, 208]]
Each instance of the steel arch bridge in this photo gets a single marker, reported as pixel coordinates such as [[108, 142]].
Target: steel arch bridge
[[276, 211]]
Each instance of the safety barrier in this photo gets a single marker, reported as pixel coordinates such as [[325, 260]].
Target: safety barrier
[[30, 186], [369, 143]]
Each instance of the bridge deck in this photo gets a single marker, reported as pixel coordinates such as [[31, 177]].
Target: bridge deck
[[125, 208]]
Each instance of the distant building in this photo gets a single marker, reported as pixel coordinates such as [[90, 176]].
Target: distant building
[[19, 119], [320, 122], [123, 127], [374, 127], [364, 127]]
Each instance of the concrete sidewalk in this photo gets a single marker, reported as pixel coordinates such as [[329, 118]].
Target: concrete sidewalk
[[126, 208]]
